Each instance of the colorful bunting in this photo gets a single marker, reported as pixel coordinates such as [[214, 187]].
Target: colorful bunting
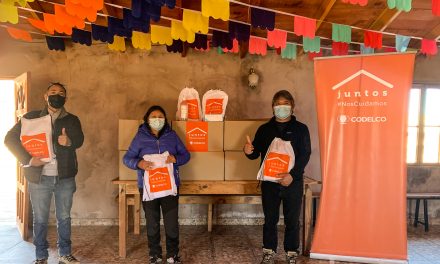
[[195, 22], [257, 46], [54, 43], [38, 24], [133, 23], [277, 38], [64, 19], [312, 44], [353, 2], [436, 7], [90, 4], [22, 3], [313, 55], [373, 39], [341, 33], [176, 46], [116, 27], [366, 50], [235, 47], [402, 5], [220, 50], [179, 32], [429, 47], [161, 35], [146, 10], [200, 42], [221, 39], [402, 43], [101, 33], [239, 31], [80, 11], [218, 9], [19, 34], [304, 26], [169, 3], [262, 18], [81, 37], [339, 48], [141, 40], [289, 52], [118, 44], [8, 13], [51, 25]]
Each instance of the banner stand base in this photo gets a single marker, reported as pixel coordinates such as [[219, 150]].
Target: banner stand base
[[356, 259]]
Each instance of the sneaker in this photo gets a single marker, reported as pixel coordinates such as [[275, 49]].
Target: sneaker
[[155, 260], [175, 260], [268, 256], [291, 257], [68, 259], [40, 261]]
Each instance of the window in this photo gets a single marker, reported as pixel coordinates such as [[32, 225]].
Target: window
[[423, 146]]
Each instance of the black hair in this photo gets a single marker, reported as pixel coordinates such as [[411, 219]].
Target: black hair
[[152, 109], [283, 94], [57, 84]]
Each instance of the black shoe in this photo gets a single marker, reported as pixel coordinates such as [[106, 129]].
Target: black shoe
[[155, 260], [175, 260]]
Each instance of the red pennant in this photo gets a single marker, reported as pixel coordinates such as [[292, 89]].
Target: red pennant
[[313, 55], [373, 39], [304, 26], [339, 48], [429, 46], [436, 7], [353, 2]]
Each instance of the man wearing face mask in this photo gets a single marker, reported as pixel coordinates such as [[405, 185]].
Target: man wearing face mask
[[55, 178], [289, 189]]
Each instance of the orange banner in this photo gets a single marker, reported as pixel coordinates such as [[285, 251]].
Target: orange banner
[[362, 118], [214, 106], [36, 145], [197, 136], [193, 109], [275, 164], [159, 180]]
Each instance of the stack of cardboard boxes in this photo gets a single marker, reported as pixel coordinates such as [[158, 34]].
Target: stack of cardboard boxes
[[223, 158]]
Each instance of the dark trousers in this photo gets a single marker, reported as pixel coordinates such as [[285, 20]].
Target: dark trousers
[[170, 212], [291, 196]]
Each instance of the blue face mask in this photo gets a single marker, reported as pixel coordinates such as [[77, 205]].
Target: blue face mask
[[282, 111], [156, 123]]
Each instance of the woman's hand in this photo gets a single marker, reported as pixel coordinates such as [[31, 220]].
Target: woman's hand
[[285, 179], [145, 165], [171, 159]]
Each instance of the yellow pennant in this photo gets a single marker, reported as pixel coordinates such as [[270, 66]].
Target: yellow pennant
[[161, 35], [195, 22], [218, 9], [179, 32], [118, 44], [8, 13], [141, 40]]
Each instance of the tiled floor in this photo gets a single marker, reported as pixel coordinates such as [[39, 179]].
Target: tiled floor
[[226, 244]]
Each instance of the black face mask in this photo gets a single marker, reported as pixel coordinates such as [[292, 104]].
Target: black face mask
[[56, 101]]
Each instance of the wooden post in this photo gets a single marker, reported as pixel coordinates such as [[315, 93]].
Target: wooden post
[[137, 213], [307, 220], [122, 221], [209, 217]]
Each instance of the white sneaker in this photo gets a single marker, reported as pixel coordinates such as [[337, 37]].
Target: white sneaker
[[69, 259], [268, 256], [291, 257], [175, 260]]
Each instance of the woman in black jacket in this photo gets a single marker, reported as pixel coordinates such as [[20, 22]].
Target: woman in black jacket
[[289, 189]]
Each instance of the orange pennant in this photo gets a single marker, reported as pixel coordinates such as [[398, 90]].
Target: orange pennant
[[19, 34], [52, 25], [38, 24], [63, 18], [80, 11]]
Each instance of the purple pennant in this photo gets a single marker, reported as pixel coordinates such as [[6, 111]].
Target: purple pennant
[[54, 43], [200, 42], [81, 37], [134, 23], [101, 33], [116, 27], [177, 46], [169, 3], [145, 9], [239, 31], [222, 39], [262, 18]]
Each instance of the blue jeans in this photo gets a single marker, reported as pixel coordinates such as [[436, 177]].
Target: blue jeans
[[41, 196]]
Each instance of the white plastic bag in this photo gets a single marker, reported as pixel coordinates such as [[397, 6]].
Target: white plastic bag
[[159, 181], [214, 104], [36, 137], [279, 158], [188, 105]]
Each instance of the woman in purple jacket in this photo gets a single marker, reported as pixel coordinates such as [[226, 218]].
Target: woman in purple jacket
[[155, 136]]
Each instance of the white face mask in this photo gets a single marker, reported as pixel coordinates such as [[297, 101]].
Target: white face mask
[[282, 111], [156, 123]]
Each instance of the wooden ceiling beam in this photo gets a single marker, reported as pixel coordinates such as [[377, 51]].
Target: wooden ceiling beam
[[323, 11], [36, 6], [386, 17]]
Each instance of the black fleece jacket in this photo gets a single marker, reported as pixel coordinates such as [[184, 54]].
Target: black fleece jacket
[[295, 132], [65, 155]]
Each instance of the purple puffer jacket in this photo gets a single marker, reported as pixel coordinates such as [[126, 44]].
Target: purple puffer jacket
[[146, 143]]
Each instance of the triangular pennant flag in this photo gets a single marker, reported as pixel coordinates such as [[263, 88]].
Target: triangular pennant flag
[[19, 34], [101, 33], [8, 13], [373, 39], [262, 18], [161, 35], [341, 33], [429, 47], [312, 44], [141, 40], [81, 37], [195, 22], [176, 46], [257, 46], [289, 52], [218, 9], [54, 43], [179, 32], [339, 48], [118, 44], [366, 50], [436, 7], [239, 31], [277, 38], [402, 43], [401, 5], [353, 2], [304, 26]]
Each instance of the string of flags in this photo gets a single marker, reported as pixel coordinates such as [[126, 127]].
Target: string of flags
[[70, 19]]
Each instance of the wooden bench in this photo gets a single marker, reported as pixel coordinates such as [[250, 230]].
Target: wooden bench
[[424, 197], [209, 193]]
